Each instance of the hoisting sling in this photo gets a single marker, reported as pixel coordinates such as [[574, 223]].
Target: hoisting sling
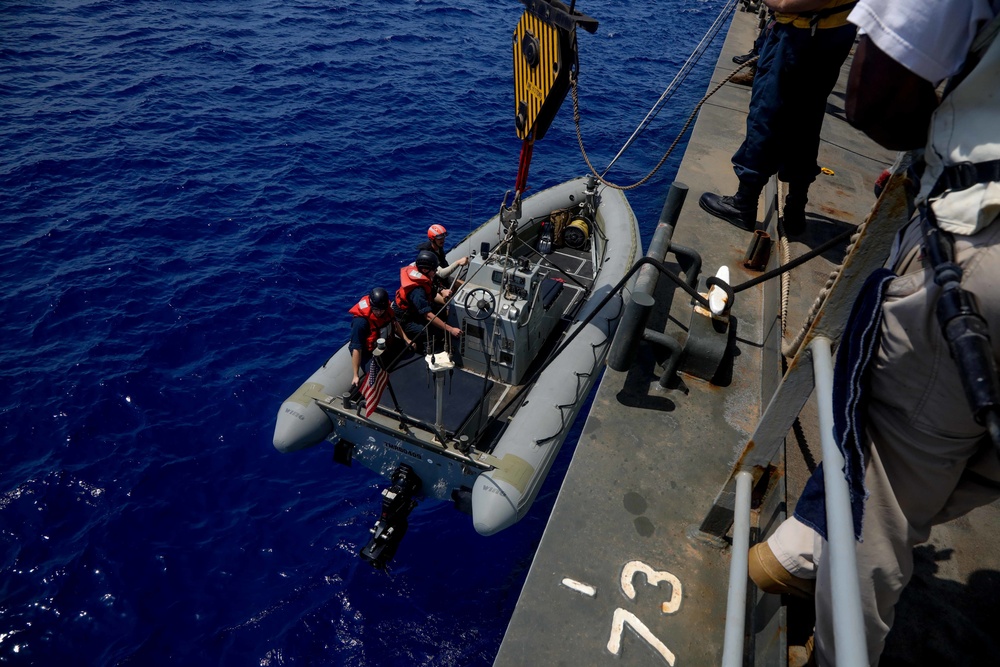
[[545, 54]]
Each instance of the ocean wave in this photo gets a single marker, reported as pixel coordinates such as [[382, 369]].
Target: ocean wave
[[194, 195]]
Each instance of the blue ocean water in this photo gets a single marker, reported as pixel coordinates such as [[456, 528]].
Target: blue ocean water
[[192, 196]]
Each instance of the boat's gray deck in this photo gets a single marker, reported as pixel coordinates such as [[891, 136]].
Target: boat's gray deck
[[575, 269], [650, 462], [413, 387]]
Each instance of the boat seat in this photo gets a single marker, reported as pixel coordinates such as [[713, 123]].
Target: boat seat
[[551, 289]]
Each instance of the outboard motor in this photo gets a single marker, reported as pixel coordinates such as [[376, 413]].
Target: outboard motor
[[389, 529]]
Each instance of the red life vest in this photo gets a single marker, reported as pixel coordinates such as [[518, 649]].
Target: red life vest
[[410, 278], [375, 322]]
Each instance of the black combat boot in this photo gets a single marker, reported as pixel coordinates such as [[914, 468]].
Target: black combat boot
[[739, 60], [794, 217], [739, 210]]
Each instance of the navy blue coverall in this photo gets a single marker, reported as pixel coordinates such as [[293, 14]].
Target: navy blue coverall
[[796, 71]]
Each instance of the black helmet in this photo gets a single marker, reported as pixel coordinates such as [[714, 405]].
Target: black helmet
[[426, 260], [378, 298]]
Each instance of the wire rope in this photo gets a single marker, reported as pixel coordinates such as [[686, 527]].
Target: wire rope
[[679, 78]]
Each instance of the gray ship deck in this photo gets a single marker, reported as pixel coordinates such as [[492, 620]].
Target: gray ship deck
[[650, 461]]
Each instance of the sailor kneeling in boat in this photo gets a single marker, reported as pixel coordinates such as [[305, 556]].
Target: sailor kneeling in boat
[[373, 319], [420, 301]]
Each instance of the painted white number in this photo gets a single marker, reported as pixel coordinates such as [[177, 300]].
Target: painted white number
[[653, 578], [618, 623], [623, 618]]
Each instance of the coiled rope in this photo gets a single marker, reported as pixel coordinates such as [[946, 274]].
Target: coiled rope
[[789, 349]]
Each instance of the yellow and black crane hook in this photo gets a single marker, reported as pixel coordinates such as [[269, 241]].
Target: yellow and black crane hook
[[545, 55]]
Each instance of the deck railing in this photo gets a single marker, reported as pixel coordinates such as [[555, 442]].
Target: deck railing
[[811, 367], [848, 627], [736, 601]]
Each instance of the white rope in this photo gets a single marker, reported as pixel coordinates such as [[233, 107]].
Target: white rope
[[682, 74]]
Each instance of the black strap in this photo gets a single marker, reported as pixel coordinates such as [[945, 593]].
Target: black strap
[[964, 328], [964, 175]]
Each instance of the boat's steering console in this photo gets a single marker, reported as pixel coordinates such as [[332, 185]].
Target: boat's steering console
[[495, 311]]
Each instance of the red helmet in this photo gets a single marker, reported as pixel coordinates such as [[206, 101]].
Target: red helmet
[[435, 231]]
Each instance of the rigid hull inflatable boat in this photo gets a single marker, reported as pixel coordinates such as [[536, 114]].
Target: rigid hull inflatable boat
[[482, 426]]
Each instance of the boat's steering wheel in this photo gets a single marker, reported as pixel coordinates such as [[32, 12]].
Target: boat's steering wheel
[[482, 301]]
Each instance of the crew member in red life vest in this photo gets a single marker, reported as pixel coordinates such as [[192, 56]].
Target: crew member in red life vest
[[418, 299], [436, 236], [372, 320]]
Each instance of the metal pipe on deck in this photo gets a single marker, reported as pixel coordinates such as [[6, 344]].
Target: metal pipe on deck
[[633, 323], [848, 628], [659, 246], [674, 349], [630, 330], [690, 262], [736, 603]]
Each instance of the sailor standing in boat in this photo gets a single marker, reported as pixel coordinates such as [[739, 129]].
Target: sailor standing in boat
[[373, 319], [436, 236], [420, 303], [928, 457]]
